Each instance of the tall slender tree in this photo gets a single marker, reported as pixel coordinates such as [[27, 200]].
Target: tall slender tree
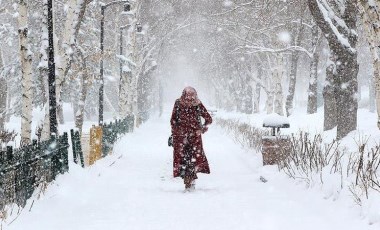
[[26, 68], [313, 81], [370, 12], [3, 94]]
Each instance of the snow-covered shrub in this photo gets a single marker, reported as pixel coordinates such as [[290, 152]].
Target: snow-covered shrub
[[243, 133], [331, 167]]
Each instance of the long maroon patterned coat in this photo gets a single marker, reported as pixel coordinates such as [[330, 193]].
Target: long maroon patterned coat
[[186, 129]]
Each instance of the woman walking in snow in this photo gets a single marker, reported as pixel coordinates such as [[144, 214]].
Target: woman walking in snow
[[187, 129]]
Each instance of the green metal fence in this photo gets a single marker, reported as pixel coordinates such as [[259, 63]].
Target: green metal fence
[[76, 147], [113, 130], [22, 170]]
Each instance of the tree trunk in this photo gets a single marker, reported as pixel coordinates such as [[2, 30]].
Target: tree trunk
[[3, 96], [256, 101], [9, 105], [342, 39], [3, 102], [313, 82], [293, 72], [26, 68], [372, 95], [44, 71], [277, 83], [329, 99], [346, 89], [313, 86], [269, 102], [248, 99], [161, 99], [79, 116], [64, 52], [75, 15], [371, 20]]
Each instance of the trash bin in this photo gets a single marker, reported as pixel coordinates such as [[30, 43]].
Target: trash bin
[[276, 147]]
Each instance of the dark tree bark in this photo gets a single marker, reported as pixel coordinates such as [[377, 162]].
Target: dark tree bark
[[342, 41], [329, 99], [313, 83]]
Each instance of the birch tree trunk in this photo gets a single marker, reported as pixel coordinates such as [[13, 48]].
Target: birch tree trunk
[[75, 15], [3, 95], [44, 70], [26, 68], [340, 32], [370, 12], [79, 115], [313, 82]]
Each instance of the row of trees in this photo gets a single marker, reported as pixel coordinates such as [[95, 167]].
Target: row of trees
[[243, 50], [253, 47], [24, 24]]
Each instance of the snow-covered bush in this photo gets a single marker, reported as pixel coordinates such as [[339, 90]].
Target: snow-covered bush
[[330, 167], [243, 133]]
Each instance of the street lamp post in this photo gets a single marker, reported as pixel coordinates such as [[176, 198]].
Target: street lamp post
[[127, 7], [51, 79]]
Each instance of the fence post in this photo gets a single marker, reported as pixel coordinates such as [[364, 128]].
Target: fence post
[[78, 147], [65, 153], [30, 168], [9, 156], [20, 177], [73, 146], [53, 159], [6, 183]]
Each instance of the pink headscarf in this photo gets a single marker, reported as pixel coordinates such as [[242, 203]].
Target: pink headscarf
[[190, 97]]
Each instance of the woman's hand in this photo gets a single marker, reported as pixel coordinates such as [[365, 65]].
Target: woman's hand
[[201, 131]]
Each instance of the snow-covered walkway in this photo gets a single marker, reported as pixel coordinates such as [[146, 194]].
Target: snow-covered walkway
[[134, 189]]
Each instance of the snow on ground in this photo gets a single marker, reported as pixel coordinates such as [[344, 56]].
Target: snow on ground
[[134, 189]]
